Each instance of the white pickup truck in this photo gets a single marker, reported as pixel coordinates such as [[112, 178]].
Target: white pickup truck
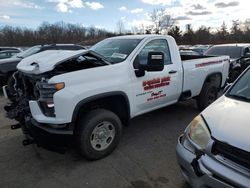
[[90, 94]]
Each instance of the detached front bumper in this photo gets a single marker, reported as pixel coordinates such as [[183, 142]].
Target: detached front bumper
[[206, 171], [51, 138]]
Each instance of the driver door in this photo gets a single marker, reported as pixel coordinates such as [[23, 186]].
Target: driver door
[[160, 88]]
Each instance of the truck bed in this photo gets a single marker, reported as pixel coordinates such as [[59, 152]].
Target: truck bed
[[206, 65]]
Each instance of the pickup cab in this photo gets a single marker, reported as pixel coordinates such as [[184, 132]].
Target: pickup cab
[[90, 94]]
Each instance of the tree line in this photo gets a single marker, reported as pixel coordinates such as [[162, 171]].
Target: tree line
[[238, 33], [47, 33]]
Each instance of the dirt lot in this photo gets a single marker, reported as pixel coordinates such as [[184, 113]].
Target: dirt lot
[[145, 157]]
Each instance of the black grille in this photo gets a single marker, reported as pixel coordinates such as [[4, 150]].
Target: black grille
[[29, 89], [232, 153]]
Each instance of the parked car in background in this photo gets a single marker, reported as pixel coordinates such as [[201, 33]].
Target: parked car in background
[[214, 150], [8, 66], [239, 57], [188, 52], [8, 53], [3, 48], [90, 94], [200, 49]]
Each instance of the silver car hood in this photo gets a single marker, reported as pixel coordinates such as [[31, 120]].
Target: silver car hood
[[229, 122]]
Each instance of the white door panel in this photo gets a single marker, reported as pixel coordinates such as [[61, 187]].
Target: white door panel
[[156, 89]]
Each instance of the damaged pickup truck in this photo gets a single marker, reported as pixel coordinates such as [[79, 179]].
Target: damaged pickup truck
[[88, 95]]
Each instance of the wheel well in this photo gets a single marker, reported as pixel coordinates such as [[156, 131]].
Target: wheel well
[[118, 104], [215, 79]]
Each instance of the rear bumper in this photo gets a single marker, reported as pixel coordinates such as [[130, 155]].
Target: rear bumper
[[51, 138], [207, 171]]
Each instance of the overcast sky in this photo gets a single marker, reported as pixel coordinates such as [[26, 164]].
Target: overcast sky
[[106, 13]]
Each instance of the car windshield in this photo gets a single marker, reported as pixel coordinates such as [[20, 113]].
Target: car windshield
[[28, 52], [241, 89], [115, 50], [232, 51]]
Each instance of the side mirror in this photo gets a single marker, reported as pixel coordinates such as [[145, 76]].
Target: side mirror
[[227, 87], [155, 62]]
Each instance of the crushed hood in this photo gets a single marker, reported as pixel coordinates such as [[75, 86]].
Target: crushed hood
[[47, 60], [228, 120]]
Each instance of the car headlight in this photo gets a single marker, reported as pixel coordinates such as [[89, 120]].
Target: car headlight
[[198, 132], [46, 96]]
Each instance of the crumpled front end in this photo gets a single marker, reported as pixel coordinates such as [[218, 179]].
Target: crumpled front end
[[31, 89]]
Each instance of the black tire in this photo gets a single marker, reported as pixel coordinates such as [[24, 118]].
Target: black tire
[[208, 95], [11, 89], [85, 133]]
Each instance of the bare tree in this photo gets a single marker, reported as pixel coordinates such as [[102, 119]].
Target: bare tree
[[120, 27], [246, 25], [162, 20], [134, 30]]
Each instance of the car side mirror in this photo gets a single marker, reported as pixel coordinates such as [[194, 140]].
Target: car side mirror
[[226, 88], [155, 62]]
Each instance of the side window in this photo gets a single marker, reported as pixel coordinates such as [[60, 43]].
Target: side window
[[158, 45]]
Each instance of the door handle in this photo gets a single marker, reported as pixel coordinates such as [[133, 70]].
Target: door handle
[[172, 72]]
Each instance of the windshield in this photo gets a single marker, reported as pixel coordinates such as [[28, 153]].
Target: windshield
[[115, 50], [241, 89], [232, 51], [28, 52]]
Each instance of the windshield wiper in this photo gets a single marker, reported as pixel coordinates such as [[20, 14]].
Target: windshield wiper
[[239, 97]]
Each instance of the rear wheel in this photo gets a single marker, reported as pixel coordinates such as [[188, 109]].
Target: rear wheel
[[98, 133], [207, 96]]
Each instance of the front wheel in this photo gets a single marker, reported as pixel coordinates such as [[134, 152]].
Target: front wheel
[[98, 133], [208, 95]]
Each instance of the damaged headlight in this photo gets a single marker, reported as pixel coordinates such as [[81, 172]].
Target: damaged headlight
[[46, 92], [198, 132]]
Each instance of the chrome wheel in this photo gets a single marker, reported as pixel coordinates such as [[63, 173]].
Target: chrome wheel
[[102, 136]]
